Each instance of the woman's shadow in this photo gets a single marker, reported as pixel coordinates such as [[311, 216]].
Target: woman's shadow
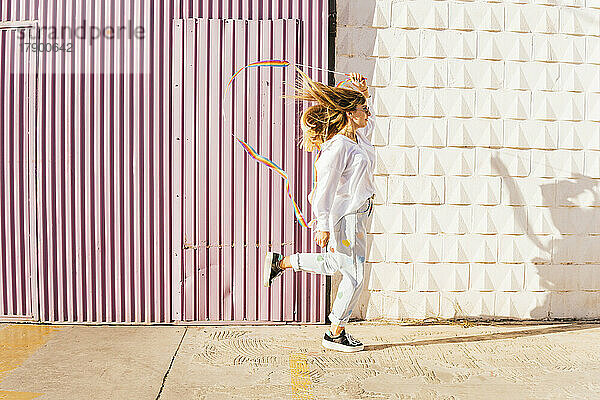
[[570, 220], [556, 275]]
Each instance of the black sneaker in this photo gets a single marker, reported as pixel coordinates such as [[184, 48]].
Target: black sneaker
[[271, 268], [342, 342]]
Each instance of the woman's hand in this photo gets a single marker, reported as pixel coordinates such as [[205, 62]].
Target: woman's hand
[[322, 238], [359, 82]]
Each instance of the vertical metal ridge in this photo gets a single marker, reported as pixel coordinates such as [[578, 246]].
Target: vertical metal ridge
[[213, 156], [49, 162], [6, 272], [227, 170], [59, 114], [263, 142], [94, 172], [202, 129], [128, 185], [4, 258], [276, 135], [12, 206], [178, 251], [154, 278], [253, 78], [77, 152], [146, 266], [166, 206], [136, 172], [103, 248], [21, 201], [190, 48], [115, 178], [289, 150], [239, 169], [69, 184]]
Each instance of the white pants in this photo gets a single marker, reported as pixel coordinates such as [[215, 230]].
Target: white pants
[[346, 252]]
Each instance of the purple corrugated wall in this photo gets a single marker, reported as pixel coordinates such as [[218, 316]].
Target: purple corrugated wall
[[17, 119], [104, 182], [233, 209]]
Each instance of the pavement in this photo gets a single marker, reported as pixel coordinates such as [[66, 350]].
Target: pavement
[[400, 361]]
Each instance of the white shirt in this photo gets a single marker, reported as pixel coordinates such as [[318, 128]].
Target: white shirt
[[344, 177]]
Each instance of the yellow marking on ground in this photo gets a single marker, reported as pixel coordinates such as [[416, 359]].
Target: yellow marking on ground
[[301, 382], [17, 344], [18, 395]]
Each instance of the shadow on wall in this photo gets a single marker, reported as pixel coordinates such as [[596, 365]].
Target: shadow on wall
[[561, 252], [569, 244], [355, 41]]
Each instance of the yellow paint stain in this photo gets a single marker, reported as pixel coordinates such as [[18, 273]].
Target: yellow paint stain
[[301, 382], [17, 344], [18, 395], [346, 243]]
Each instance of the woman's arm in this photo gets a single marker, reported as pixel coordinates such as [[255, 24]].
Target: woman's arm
[[367, 131], [360, 83]]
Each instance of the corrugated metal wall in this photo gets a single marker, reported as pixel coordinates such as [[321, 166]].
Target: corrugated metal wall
[[17, 119], [234, 210], [105, 173]]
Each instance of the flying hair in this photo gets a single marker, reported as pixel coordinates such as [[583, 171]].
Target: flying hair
[[328, 117]]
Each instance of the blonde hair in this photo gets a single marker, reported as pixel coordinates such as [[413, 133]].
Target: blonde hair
[[322, 121]]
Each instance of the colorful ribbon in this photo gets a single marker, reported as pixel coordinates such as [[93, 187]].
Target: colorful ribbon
[[342, 83], [267, 63], [264, 160], [269, 163]]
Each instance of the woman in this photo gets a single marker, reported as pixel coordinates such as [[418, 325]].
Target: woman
[[342, 199]]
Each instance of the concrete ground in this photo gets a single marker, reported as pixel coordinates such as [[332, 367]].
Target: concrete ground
[[400, 361]]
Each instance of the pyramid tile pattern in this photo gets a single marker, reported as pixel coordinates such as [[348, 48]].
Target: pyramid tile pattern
[[528, 18], [487, 128], [467, 74]]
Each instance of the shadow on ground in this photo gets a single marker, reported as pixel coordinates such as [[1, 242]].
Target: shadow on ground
[[492, 336]]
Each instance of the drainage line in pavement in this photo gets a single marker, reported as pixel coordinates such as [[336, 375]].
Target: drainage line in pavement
[[171, 364]]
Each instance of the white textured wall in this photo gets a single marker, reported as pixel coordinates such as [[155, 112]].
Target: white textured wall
[[488, 135]]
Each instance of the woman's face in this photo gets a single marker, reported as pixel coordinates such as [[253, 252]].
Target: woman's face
[[360, 116]]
